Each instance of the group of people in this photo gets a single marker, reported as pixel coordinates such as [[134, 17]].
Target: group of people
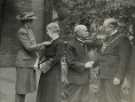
[[82, 69]]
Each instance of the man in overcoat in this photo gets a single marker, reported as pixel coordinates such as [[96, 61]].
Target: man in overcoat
[[114, 59], [78, 66]]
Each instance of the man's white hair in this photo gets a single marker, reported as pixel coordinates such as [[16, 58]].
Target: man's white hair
[[78, 28]]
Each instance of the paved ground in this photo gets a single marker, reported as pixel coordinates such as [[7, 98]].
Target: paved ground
[[7, 86]]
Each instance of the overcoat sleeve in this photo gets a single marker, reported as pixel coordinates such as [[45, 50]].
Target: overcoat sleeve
[[27, 44], [124, 55]]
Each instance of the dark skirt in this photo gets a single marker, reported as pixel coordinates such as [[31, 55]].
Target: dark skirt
[[25, 80], [49, 89], [109, 92]]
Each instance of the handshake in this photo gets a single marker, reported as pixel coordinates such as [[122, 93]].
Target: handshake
[[47, 43], [43, 44], [89, 64]]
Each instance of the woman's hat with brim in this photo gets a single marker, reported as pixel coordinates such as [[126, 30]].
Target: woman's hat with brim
[[26, 16]]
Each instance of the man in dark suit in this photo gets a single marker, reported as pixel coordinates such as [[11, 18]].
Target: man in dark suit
[[114, 60], [26, 57], [79, 64]]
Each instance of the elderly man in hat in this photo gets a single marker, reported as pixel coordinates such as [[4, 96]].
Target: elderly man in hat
[[114, 60], [78, 66], [27, 59]]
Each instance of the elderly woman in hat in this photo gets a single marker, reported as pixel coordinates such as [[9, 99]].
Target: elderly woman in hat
[[27, 59], [49, 89], [114, 60]]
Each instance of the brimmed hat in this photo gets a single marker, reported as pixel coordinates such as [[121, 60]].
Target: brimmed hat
[[26, 16]]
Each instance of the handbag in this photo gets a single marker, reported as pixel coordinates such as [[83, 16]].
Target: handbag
[[45, 66]]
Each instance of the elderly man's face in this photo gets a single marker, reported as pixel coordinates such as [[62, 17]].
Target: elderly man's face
[[83, 33], [106, 31], [109, 28]]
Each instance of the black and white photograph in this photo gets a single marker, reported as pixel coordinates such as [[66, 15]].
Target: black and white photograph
[[67, 50]]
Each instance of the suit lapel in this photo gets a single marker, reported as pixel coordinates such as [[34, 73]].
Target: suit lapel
[[111, 44]]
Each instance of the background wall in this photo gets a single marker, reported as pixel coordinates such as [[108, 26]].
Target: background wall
[[9, 43]]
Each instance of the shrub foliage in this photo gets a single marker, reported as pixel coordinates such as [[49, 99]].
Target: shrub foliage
[[93, 12]]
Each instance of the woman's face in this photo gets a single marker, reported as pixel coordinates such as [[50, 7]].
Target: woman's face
[[53, 34]]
